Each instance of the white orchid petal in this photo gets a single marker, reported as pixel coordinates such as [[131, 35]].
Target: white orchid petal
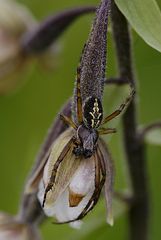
[[83, 179], [76, 224], [61, 209]]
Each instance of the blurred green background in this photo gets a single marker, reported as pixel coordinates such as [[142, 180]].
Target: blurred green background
[[26, 114]]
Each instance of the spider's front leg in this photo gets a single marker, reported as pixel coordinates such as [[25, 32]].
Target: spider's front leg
[[120, 109], [68, 121], [103, 131]]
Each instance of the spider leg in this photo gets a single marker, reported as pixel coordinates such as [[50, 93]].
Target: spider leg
[[55, 167], [120, 109], [78, 91], [98, 187], [68, 121], [95, 196], [103, 131], [79, 98]]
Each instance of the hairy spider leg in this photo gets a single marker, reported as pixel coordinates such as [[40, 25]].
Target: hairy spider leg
[[98, 186], [55, 167], [79, 98], [103, 131], [68, 121], [120, 109], [78, 88]]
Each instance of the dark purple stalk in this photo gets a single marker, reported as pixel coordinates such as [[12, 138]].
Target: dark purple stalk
[[93, 60], [92, 66], [134, 148], [40, 38]]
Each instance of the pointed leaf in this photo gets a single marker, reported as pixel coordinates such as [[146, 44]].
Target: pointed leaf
[[145, 17]]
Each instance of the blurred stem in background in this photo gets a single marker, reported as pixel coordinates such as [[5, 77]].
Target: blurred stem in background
[[134, 147]]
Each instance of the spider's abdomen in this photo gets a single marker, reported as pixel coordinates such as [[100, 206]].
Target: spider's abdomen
[[92, 112]]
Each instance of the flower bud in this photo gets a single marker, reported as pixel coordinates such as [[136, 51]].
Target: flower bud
[[74, 184], [75, 181], [15, 20], [22, 38]]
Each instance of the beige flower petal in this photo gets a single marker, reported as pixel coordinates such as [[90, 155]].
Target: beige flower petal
[[108, 187], [64, 172]]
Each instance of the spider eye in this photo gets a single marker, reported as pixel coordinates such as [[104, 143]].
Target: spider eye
[[87, 153], [92, 113]]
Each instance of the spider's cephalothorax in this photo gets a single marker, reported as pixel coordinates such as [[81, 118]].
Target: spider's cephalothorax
[[87, 141]]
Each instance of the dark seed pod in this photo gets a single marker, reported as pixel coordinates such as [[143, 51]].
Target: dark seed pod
[[93, 61]]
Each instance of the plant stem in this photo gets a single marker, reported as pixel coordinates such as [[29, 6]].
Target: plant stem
[[134, 148]]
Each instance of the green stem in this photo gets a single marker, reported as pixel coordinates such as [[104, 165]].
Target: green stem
[[134, 148]]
